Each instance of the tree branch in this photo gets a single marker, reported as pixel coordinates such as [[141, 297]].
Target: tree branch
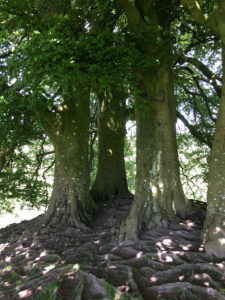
[[133, 14], [204, 70], [193, 131], [199, 17], [4, 154]]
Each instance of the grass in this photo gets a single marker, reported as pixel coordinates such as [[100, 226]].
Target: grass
[[50, 292], [13, 276], [177, 289], [109, 289], [222, 291]]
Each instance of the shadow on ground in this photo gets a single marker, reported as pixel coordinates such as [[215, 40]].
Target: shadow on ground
[[90, 264]]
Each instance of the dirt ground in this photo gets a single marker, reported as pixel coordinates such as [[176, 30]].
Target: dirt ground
[[166, 263]]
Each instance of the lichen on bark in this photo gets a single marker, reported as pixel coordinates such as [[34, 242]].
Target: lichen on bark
[[159, 195], [68, 130]]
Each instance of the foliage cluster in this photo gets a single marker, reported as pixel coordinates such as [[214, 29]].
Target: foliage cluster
[[45, 47]]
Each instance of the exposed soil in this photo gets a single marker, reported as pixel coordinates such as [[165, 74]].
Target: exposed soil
[[90, 264]]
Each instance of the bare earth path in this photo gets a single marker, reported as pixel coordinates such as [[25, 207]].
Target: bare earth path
[[89, 265]]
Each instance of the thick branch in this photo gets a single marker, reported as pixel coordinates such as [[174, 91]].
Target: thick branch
[[205, 98], [193, 130], [212, 77], [5, 55], [199, 17], [133, 14], [201, 92]]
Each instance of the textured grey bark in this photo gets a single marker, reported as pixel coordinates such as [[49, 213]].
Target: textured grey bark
[[214, 227], [68, 130], [159, 195]]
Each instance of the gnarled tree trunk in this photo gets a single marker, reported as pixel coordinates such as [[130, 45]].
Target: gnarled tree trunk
[[111, 181], [165, 181], [214, 227], [68, 128], [159, 195]]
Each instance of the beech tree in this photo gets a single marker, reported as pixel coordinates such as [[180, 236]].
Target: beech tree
[[60, 53], [57, 56], [68, 129], [214, 228], [59, 102], [159, 195], [111, 181]]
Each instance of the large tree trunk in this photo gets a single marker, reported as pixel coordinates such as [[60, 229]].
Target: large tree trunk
[[214, 227], [159, 195], [167, 192], [111, 181], [68, 131]]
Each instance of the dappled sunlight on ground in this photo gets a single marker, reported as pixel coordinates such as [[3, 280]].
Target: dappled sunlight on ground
[[166, 263]]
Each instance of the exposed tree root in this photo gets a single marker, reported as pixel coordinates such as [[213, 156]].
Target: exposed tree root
[[165, 263]]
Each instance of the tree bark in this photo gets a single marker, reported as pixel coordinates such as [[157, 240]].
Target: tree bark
[[159, 195], [111, 181], [214, 227], [68, 128]]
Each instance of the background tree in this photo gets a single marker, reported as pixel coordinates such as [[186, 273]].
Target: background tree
[[214, 224], [25, 157], [111, 182], [55, 66], [55, 100], [198, 89]]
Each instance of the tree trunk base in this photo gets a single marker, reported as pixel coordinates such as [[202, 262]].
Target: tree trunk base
[[159, 220], [127, 231], [58, 222], [214, 243], [102, 197]]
